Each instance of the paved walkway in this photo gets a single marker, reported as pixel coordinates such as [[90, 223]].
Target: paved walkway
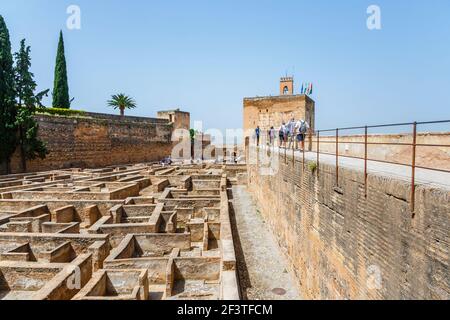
[[423, 176], [262, 267]]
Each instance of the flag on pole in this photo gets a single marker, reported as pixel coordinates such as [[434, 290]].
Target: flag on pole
[[307, 88]]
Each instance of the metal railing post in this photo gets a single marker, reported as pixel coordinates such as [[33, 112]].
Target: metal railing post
[[303, 160], [365, 162], [285, 151], [413, 165], [318, 151], [337, 157], [293, 151]]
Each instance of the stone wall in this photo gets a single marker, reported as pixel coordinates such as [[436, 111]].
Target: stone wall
[[272, 111], [98, 140], [179, 119], [342, 245]]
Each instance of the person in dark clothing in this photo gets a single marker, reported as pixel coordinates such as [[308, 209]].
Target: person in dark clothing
[[258, 133], [282, 135]]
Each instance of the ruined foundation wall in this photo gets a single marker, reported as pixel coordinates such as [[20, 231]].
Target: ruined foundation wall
[[342, 245], [97, 140]]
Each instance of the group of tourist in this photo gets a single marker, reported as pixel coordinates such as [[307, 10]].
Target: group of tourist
[[293, 132]]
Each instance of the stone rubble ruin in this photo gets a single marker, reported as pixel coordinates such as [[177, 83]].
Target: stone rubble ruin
[[138, 232]]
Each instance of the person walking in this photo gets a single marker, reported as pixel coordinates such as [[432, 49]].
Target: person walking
[[271, 136], [290, 132], [301, 128], [258, 133], [282, 135]]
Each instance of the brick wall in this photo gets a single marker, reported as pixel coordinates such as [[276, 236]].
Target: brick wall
[[342, 245], [97, 140]]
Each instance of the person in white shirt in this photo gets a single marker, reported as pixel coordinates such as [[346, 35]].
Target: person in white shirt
[[301, 128], [271, 135], [290, 131]]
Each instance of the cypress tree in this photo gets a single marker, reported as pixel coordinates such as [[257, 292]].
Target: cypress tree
[[8, 129], [30, 146], [61, 86]]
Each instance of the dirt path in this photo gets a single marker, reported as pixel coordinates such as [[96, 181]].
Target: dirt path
[[261, 266]]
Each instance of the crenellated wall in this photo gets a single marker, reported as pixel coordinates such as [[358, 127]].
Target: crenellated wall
[[342, 245], [98, 140]]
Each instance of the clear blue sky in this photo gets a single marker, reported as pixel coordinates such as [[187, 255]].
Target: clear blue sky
[[205, 56]]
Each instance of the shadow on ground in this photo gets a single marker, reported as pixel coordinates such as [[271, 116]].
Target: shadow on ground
[[242, 271]]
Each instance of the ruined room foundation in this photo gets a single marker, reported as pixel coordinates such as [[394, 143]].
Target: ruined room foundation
[[138, 232]]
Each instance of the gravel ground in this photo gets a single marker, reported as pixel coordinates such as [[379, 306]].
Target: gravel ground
[[261, 266]]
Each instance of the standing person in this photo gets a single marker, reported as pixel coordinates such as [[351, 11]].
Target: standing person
[[290, 131], [302, 128], [271, 136], [258, 132], [282, 135]]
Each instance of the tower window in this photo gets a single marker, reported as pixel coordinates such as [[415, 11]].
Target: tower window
[[286, 90]]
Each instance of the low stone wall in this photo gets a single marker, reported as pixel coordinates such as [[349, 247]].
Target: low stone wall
[[96, 140], [342, 245], [384, 148]]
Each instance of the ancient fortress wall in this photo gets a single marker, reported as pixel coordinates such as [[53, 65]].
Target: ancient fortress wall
[[342, 245], [98, 140]]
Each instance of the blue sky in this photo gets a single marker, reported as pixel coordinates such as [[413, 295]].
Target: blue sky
[[205, 56]]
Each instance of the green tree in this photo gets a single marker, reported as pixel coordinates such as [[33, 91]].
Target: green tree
[[61, 85], [121, 101], [192, 133], [8, 129], [30, 146]]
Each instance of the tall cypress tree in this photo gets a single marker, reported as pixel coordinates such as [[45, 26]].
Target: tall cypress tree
[[61, 86], [8, 129], [30, 146]]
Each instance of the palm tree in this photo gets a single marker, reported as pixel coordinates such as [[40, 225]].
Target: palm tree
[[122, 102]]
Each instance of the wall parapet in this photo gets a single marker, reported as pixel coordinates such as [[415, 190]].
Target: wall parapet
[[95, 140], [344, 244], [105, 116]]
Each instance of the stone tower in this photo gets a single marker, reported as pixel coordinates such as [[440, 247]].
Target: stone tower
[[179, 119], [286, 86], [269, 111]]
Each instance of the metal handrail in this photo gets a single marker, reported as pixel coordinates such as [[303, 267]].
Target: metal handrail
[[388, 125], [414, 145]]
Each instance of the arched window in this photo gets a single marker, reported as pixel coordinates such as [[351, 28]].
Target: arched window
[[286, 90]]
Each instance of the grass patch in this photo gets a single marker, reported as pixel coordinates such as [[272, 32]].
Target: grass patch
[[312, 166]]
